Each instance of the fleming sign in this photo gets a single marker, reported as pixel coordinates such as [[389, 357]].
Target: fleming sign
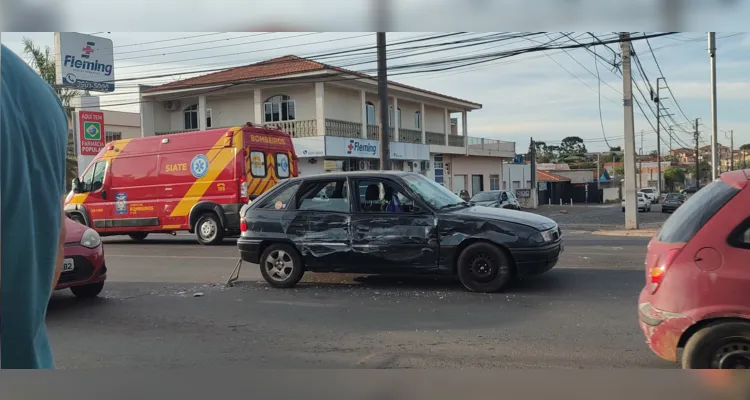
[[91, 132], [84, 62]]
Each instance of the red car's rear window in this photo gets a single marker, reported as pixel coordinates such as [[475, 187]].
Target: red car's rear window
[[696, 212]]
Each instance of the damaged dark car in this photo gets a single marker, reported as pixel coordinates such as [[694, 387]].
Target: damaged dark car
[[391, 223]]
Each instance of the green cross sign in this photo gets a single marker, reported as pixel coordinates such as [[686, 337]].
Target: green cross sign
[[92, 131]]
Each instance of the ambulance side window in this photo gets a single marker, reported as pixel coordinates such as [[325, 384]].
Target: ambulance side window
[[258, 164], [282, 165], [94, 178]]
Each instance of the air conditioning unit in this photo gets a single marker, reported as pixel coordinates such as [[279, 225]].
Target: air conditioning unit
[[172, 105]]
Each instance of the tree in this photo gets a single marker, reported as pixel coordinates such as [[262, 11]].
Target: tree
[[613, 149], [653, 154], [572, 146], [542, 154], [620, 170], [705, 170], [745, 147], [674, 176], [44, 64]]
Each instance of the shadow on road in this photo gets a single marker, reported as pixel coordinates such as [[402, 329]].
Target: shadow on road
[[63, 303], [566, 282], [177, 240]]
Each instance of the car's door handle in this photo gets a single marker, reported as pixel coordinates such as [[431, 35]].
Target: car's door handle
[[698, 259], [104, 195]]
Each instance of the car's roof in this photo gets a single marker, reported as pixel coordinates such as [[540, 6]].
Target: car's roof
[[359, 174]]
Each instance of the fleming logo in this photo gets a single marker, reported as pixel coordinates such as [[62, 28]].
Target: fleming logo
[[86, 51], [356, 146]]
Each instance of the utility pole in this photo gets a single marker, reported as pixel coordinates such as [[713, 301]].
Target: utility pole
[[714, 131], [631, 205], [731, 150], [658, 135], [534, 189], [697, 161], [385, 147], [640, 164], [671, 132]]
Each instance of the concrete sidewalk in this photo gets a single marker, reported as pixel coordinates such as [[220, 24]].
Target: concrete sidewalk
[[633, 232]]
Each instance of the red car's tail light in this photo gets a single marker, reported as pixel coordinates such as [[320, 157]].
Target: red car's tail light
[[243, 225], [658, 271], [243, 190]]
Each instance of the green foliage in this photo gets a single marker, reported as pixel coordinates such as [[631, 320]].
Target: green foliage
[[620, 170], [44, 63], [674, 176], [572, 146]]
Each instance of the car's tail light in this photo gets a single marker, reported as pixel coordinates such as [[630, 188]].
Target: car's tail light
[[243, 225], [658, 271], [243, 189]]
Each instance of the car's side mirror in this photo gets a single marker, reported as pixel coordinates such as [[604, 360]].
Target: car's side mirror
[[415, 209], [76, 185]]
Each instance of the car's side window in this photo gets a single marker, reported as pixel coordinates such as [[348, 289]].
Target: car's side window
[[504, 196], [740, 237], [279, 200], [326, 195], [382, 197]]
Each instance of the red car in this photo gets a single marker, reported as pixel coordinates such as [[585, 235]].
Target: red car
[[697, 293], [83, 270]]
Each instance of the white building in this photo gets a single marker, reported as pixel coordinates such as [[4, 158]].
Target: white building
[[332, 115]]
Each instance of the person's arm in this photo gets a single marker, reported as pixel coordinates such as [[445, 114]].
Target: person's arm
[[60, 248]]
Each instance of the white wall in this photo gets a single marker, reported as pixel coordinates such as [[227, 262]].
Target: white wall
[[307, 169], [342, 104], [231, 110], [434, 119], [610, 194], [472, 165], [516, 172]]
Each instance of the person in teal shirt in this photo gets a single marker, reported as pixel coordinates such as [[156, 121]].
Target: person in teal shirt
[[33, 144]]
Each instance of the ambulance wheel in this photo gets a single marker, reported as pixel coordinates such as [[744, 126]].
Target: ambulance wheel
[[208, 229], [138, 236]]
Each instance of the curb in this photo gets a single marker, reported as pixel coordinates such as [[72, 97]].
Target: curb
[[633, 233]]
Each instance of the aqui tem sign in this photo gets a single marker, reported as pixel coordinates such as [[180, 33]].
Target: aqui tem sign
[[84, 62], [91, 132]]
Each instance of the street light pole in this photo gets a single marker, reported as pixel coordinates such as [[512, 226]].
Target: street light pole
[[714, 131], [385, 147], [631, 205], [658, 135]]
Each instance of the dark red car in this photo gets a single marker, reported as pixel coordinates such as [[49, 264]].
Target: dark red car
[[83, 270], [697, 293]]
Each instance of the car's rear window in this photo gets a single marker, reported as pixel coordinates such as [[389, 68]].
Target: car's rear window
[[696, 212], [486, 196], [647, 190]]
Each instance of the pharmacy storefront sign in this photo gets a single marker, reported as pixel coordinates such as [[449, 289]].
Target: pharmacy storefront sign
[[91, 132]]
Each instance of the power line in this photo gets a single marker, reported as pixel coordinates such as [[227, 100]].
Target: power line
[[443, 64]]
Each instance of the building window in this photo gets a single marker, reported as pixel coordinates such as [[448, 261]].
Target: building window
[[371, 119], [418, 120], [279, 108], [112, 136], [390, 116], [494, 182], [208, 118], [191, 117]]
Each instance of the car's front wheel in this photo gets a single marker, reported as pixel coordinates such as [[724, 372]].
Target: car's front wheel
[[138, 236], [721, 346], [281, 266], [87, 291], [484, 268]]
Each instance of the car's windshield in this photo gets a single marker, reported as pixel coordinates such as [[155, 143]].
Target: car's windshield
[[431, 192], [647, 190], [486, 196], [675, 196]]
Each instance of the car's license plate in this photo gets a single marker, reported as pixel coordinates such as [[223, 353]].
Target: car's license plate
[[68, 265]]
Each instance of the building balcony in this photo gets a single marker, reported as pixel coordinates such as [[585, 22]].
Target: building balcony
[[491, 147]]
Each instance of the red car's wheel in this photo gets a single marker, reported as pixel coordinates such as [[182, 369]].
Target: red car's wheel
[[87, 291]]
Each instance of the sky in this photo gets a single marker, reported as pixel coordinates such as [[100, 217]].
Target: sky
[[545, 95]]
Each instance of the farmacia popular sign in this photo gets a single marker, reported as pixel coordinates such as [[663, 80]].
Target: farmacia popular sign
[[84, 62]]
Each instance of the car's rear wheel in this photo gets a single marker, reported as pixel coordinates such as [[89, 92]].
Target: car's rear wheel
[[208, 229], [485, 268], [138, 236], [281, 265], [721, 346], [87, 291]]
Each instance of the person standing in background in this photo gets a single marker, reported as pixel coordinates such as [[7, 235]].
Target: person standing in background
[[33, 145]]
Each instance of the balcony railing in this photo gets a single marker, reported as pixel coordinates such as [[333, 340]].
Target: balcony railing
[[373, 132], [456, 141], [435, 138], [409, 136], [491, 144], [302, 128], [336, 127]]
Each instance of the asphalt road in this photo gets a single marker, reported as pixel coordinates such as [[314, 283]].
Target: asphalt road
[[581, 314]]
